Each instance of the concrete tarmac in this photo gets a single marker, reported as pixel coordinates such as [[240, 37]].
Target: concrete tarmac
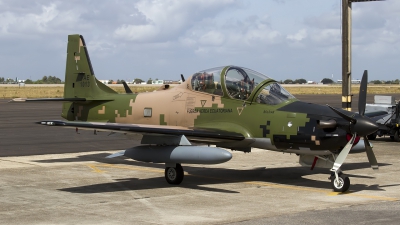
[[52, 175], [21, 136]]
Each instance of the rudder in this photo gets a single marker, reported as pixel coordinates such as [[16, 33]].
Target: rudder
[[80, 81]]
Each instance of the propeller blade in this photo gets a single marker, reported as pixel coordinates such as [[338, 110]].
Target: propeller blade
[[344, 116], [370, 154], [362, 97], [358, 123], [343, 154]]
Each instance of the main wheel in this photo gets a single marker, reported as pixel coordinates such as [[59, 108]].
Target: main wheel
[[174, 175], [396, 136], [340, 185], [372, 136]]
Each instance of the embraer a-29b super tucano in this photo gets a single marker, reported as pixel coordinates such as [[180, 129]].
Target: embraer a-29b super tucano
[[227, 107]]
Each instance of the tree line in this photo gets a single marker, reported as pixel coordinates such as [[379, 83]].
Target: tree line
[[56, 80], [304, 81], [44, 80], [135, 81], [397, 81], [6, 81], [330, 81]]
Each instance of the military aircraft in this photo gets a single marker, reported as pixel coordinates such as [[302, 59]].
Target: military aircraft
[[227, 107]]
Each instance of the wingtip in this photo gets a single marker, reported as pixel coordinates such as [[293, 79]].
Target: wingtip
[[51, 123], [17, 100], [117, 154]]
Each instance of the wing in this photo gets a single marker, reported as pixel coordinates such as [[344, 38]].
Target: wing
[[377, 115], [48, 100], [193, 134]]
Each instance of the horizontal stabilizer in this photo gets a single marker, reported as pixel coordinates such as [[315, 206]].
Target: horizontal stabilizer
[[376, 113]]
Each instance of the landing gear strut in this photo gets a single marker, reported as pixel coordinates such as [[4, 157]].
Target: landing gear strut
[[174, 175]]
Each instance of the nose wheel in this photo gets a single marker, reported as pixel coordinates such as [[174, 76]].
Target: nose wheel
[[174, 175], [340, 182]]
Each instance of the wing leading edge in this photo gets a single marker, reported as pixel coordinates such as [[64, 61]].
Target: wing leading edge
[[190, 133]]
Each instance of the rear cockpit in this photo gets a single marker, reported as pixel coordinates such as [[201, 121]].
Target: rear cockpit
[[208, 81], [239, 83]]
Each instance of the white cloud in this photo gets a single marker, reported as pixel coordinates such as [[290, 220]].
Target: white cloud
[[47, 20], [214, 38], [230, 36], [300, 35], [331, 20], [168, 19], [187, 41], [132, 35], [326, 36], [261, 33]]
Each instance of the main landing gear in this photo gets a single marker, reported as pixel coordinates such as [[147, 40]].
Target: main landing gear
[[339, 182], [174, 174]]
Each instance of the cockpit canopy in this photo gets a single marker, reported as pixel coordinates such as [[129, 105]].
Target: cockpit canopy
[[240, 83]]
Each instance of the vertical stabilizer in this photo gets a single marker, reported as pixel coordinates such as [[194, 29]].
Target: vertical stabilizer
[[80, 81]]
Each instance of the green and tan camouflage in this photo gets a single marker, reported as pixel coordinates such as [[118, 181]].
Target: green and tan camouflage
[[230, 107]]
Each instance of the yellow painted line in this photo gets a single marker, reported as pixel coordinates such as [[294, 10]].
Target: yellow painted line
[[284, 186], [258, 183], [95, 169], [333, 194], [373, 197], [131, 168]]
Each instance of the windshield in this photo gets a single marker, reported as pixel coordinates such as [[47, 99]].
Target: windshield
[[273, 94]]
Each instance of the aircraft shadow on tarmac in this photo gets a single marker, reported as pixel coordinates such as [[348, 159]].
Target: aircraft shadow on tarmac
[[199, 176], [142, 184]]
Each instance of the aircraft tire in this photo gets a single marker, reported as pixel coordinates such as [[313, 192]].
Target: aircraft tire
[[372, 136], [174, 175], [396, 136], [341, 186]]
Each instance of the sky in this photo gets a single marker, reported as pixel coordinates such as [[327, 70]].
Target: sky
[[284, 39]]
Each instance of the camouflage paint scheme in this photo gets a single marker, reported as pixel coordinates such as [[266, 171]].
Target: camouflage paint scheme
[[290, 126], [229, 107]]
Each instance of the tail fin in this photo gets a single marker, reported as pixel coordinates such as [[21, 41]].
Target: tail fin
[[80, 81]]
